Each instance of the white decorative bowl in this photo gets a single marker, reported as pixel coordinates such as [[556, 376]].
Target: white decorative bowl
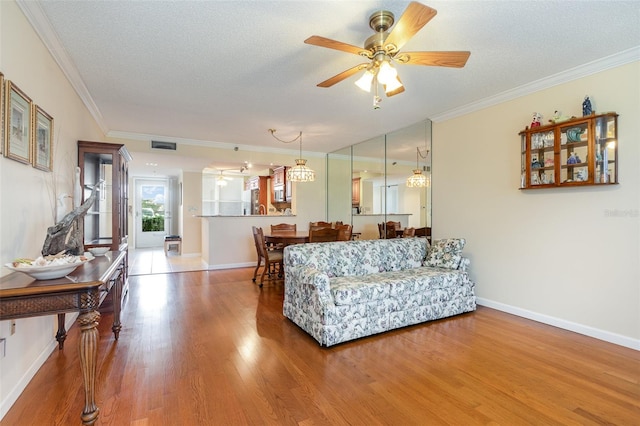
[[50, 272], [99, 251]]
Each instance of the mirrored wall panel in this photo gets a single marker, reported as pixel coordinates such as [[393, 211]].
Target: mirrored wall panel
[[388, 180]]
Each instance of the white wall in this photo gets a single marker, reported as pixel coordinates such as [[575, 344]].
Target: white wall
[[25, 193], [555, 255]]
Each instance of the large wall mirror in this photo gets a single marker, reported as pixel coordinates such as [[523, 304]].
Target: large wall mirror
[[367, 182]]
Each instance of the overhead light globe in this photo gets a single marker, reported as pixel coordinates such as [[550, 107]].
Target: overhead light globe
[[387, 73], [365, 81], [393, 85]]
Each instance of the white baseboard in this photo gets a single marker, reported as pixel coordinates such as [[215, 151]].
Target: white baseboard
[[12, 396], [607, 336], [191, 255]]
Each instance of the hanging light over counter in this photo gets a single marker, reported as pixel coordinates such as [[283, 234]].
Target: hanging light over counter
[[300, 172]]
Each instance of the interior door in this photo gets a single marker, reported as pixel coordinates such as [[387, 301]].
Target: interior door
[[153, 215]]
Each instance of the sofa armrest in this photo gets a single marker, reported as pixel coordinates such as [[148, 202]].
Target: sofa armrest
[[299, 276], [465, 262]]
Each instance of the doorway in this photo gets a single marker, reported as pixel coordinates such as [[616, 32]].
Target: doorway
[[153, 212]]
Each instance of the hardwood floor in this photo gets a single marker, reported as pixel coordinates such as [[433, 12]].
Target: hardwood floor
[[153, 261], [211, 348]]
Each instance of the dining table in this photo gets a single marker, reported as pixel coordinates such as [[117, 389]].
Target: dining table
[[285, 238]]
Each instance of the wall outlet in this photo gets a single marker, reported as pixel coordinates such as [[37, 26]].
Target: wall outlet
[[13, 327]]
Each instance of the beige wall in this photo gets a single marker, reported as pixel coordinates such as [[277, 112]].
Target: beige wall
[[556, 255], [191, 227], [26, 193]]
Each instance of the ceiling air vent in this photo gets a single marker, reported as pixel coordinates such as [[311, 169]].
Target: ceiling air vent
[[163, 145]]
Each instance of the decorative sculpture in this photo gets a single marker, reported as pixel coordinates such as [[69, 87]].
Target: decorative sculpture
[[66, 235], [586, 106], [536, 120]]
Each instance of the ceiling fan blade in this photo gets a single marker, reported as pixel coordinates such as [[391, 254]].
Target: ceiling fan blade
[[336, 45], [412, 20], [437, 59], [344, 74]]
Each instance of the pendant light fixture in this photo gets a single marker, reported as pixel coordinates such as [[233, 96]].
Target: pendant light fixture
[[300, 172], [418, 180]]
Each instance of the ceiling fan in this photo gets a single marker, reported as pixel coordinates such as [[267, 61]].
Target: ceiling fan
[[383, 49]]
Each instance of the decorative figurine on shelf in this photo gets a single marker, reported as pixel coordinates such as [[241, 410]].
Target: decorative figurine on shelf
[[582, 174], [573, 159], [548, 162], [586, 106], [535, 164], [536, 121], [558, 117]]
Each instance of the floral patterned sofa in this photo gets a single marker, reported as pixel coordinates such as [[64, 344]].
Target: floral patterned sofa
[[341, 291]]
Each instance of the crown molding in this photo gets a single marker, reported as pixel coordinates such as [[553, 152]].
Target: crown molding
[[38, 20], [593, 67], [210, 144]]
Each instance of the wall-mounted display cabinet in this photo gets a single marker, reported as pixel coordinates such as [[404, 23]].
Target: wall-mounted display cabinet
[[576, 152]]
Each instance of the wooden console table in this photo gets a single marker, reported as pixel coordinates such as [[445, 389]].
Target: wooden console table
[[81, 291]]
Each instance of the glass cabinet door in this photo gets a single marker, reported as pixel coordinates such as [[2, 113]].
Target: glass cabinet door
[[98, 169], [576, 163], [606, 154], [542, 162]]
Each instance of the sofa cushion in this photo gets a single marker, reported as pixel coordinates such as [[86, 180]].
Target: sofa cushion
[[399, 285], [364, 257], [446, 253]]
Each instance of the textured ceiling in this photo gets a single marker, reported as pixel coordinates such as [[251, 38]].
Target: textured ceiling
[[226, 71]]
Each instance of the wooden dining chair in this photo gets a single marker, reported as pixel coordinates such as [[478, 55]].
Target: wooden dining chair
[[424, 232], [282, 227], [323, 235], [271, 260], [390, 229], [409, 232], [344, 232], [319, 225], [381, 230]]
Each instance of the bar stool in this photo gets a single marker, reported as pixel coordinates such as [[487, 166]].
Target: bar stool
[[172, 240]]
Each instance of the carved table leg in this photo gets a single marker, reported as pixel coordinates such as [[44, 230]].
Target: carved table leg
[[88, 323], [117, 305], [61, 335]]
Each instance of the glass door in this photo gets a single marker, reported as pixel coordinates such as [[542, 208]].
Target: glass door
[[152, 212]]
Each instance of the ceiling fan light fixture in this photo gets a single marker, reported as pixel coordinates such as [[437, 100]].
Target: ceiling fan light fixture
[[387, 73], [221, 181], [365, 81], [392, 86]]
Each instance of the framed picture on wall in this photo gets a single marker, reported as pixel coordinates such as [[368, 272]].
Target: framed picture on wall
[[43, 140], [18, 127], [1, 113]]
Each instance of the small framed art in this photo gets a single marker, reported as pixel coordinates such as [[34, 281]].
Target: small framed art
[[42, 157], [1, 113], [18, 124]]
